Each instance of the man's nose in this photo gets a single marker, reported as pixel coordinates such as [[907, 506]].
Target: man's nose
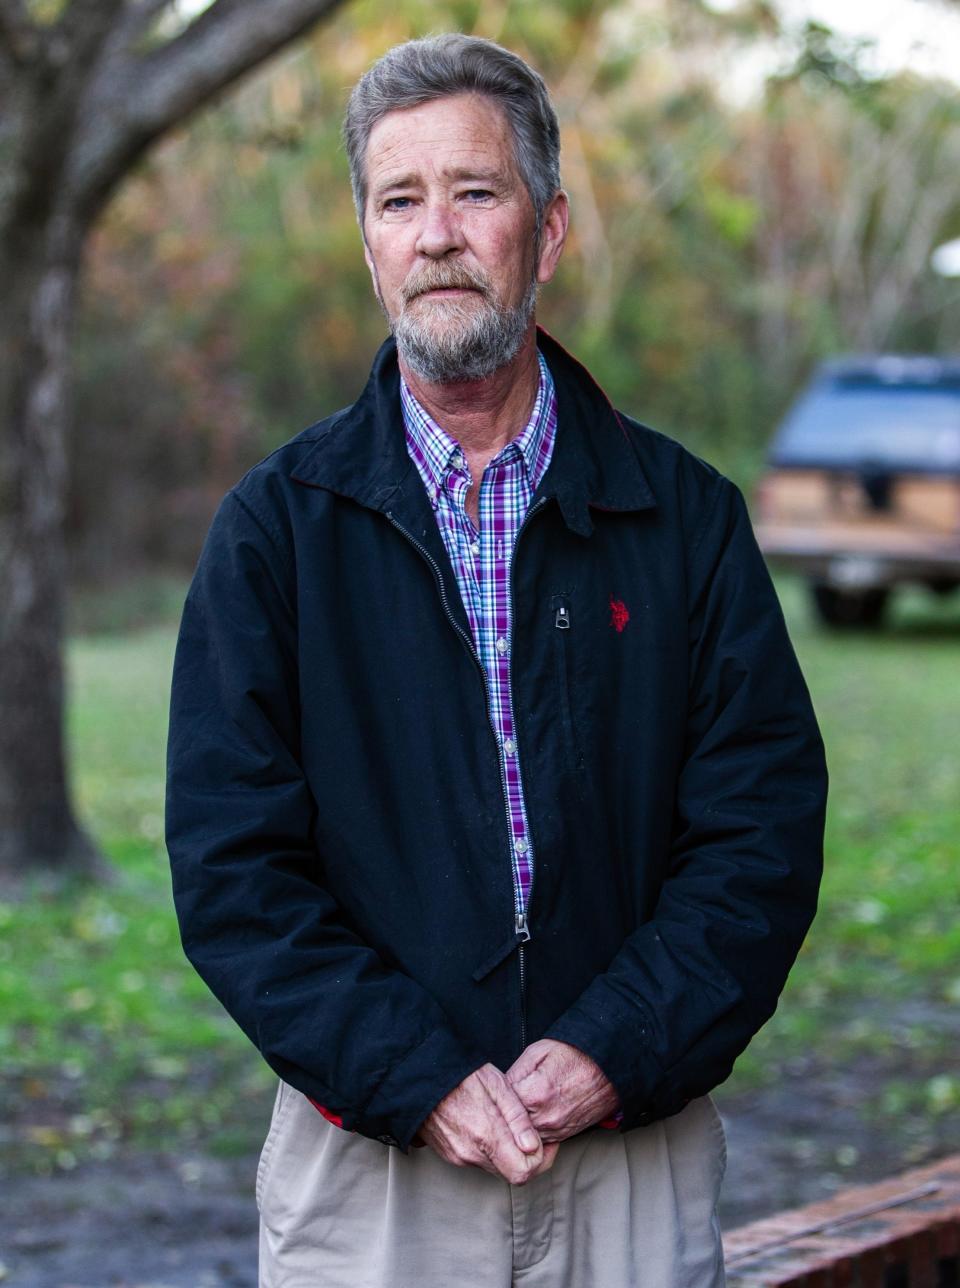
[[441, 232]]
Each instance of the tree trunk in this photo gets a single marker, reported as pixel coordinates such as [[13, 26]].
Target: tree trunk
[[82, 96], [39, 273]]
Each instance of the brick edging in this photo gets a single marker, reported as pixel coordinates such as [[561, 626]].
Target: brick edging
[[904, 1230]]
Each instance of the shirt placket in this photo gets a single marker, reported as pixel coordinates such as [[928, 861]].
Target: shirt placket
[[481, 563], [464, 545], [502, 482]]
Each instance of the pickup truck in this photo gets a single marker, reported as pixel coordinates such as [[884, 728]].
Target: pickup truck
[[861, 491]]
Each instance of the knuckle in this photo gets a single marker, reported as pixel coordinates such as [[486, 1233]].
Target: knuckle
[[519, 1171]]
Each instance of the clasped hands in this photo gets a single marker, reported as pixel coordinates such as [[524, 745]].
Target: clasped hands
[[511, 1124]]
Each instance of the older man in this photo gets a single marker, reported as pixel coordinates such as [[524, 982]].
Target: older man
[[495, 795]]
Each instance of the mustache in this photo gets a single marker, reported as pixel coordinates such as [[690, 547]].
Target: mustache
[[439, 277]]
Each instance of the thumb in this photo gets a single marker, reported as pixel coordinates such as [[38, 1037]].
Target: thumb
[[512, 1111]]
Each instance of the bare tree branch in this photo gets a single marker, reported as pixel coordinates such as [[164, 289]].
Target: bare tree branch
[[82, 30], [135, 22], [136, 98], [228, 39], [47, 91]]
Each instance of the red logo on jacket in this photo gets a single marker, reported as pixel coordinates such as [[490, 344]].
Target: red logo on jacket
[[619, 614]]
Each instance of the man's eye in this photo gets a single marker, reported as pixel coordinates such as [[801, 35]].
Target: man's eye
[[478, 194], [396, 203]]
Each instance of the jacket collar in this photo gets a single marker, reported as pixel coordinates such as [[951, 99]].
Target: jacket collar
[[362, 453]]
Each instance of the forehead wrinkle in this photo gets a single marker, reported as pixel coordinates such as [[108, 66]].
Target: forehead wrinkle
[[486, 174], [456, 173], [406, 180], [394, 135]]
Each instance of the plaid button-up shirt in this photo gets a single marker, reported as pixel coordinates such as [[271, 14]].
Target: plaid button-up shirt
[[481, 559]]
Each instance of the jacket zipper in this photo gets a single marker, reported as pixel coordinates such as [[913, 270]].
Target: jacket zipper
[[520, 924], [523, 928], [523, 931], [519, 916]]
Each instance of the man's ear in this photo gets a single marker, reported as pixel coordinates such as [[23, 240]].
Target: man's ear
[[553, 236], [368, 259]]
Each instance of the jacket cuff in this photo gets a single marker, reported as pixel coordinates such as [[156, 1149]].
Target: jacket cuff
[[414, 1087], [615, 1034]]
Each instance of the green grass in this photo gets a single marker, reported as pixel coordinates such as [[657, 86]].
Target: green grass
[[886, 943], [107, 1036], [106, 1033]]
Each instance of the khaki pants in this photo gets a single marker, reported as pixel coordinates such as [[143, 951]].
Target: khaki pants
[[636, 1210]]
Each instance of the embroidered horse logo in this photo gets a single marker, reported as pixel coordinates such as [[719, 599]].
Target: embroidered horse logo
[[619, 615]]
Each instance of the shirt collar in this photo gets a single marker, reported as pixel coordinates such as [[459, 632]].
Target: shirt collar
[[432, 449], [360, 452]]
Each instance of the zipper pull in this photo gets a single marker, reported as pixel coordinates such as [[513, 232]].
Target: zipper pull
[[562, 619], [523, 932]]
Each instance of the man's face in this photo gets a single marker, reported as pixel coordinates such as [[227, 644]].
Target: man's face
[[450, 236]]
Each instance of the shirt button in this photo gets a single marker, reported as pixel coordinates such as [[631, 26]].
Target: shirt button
[[521, 846], [502, 646], [509, 746], [458, 461], [475, 547]]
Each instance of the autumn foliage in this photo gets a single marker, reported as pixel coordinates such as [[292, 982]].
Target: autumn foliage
[[726, 234]]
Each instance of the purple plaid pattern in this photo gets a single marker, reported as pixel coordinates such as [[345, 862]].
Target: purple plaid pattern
[[481, 560]]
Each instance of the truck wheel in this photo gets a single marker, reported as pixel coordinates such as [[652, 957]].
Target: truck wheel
[[849, 609]]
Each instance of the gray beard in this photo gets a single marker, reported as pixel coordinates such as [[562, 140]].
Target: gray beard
[[463, 340]]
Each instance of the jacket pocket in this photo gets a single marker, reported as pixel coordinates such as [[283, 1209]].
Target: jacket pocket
[[280, 1106]]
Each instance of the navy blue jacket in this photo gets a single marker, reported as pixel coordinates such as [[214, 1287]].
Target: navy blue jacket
[[336, 822]]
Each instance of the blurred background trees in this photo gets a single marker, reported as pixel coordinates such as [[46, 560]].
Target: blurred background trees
[[725, 236], [745, 200]]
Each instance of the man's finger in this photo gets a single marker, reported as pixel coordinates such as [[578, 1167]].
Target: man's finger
[[550, 1150], [499, 1153], [532, 1056], [512, 1110], [564, 1090], [469, 1128], [529, 1075]]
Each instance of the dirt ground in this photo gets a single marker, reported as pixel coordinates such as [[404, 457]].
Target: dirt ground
[[157, 1221]]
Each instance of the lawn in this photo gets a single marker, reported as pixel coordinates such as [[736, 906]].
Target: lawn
[[107, 1034], [878, 980], [107, 1037]]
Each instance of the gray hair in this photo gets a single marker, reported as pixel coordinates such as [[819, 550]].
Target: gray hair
[[420, 71]]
